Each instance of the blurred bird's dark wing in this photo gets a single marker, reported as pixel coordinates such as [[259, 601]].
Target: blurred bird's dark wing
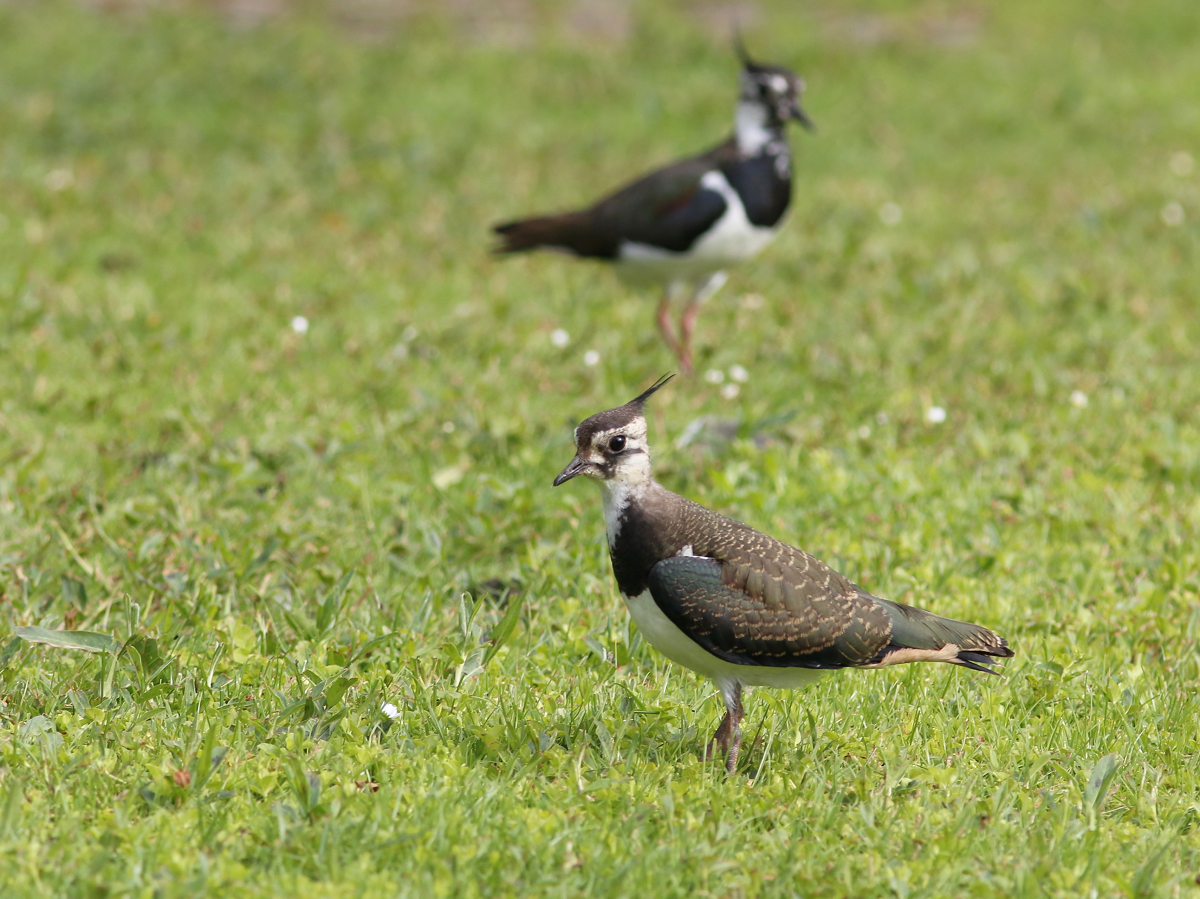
[[668, 209]]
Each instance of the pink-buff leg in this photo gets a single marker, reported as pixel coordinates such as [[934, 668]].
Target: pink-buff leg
[[672, 289], [664, 322], [687, 323], [729, 732]]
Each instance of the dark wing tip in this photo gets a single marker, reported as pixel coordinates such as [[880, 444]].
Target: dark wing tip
[[999, 649], [984, 658]]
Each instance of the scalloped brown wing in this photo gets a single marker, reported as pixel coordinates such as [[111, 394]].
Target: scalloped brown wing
[[759, 612]]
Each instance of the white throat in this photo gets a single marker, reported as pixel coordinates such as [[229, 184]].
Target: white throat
[[617, 495], [750, 125]]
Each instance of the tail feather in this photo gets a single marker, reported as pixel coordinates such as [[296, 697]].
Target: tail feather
[[918, 635], [525, 234], [571, 231]]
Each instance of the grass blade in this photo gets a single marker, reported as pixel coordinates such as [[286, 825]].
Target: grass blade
[[502, 631], [88, 641]]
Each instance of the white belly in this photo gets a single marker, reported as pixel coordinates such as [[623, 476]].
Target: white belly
[[731, 240], [664, 636]]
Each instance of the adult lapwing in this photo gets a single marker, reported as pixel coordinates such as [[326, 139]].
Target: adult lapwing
[[685, 224]]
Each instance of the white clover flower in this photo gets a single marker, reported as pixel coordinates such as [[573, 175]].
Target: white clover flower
[[390, 710], [890, 213], [591, 358], [59, 179], [881, 417], [1172, 215], [935, 415], [447, 427], [739, 374], [864, 431], [730, 391], [1079, 399], [714, 376], [559, 338], [300, 324], [1181, 163]]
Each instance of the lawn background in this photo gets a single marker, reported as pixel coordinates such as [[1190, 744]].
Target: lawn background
[[284, 531]]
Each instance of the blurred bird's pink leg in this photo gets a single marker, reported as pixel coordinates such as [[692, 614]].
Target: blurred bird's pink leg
[[664, 320], [691, 312]]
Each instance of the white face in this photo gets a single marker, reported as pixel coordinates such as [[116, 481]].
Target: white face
[[617, 454], [767, 87], [611, 446], [612, 450], [777, 92]]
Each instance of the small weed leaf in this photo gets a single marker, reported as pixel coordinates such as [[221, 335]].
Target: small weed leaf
[[332, 606], [606, 741], [39, 732], [11, 798], [6, 654], [149, 545], [154, 692], [131, 651], [301, 625], [1095, 794], [336, 690], [502, 631], [88, 641], [151, 658], [1144, 880], [471, 666], [468, 608], [306, 786], [207, 759], [74, 592], [598, 648], [370, 646], [261, 559]]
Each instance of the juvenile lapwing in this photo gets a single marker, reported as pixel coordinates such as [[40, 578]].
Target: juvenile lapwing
[[736, 605], [684, 224]]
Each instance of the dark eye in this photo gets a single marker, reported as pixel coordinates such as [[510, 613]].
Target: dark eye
[[617, 443]]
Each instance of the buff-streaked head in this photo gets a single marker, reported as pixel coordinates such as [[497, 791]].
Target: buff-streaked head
[[611, 445]]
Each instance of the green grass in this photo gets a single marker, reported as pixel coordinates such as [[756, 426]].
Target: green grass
[[283, 532]]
